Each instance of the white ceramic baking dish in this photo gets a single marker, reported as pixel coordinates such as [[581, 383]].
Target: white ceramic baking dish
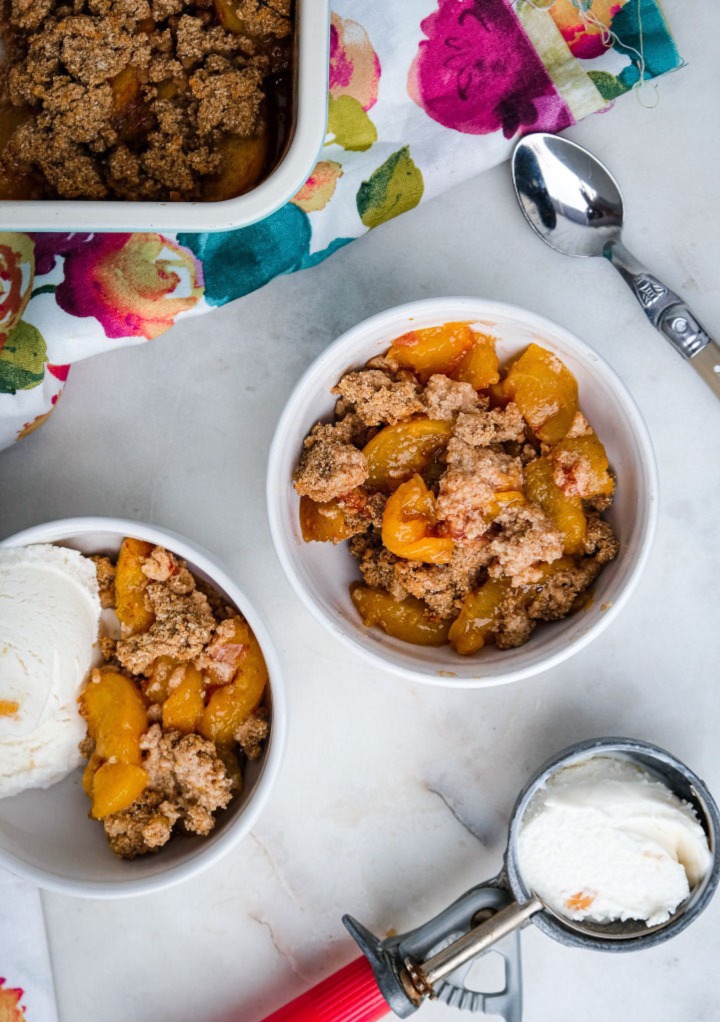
[[312, 44]]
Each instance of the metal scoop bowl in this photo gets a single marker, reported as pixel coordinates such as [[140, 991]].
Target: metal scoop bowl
[[435, 959]]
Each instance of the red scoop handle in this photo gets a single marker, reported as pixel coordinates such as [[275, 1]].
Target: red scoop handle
[[350, 995]]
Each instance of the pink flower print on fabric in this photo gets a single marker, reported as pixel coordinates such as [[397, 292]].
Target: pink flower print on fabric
[[477, 72], [133, 284], [49, 246], [354, 64]]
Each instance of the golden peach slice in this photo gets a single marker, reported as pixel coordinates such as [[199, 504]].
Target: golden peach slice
[[408, 525], [566, 513], [116, 716], [437, 349], [323, 523], [479, 366], [231, 704], [185, 704], [115, 787], [398, 452], [408, 619], [544, 390], [130, 585], [478, 617]]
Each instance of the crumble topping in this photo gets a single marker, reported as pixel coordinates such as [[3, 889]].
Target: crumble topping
[[445, 398], [183, 627], [379, 396], [135, 100], [497, 426], [144, 826], [573, 472], [105, 571], [468, 487], [444, 586], [188, 773], [527, 538], [329, 466], [162, 566], [481, 550], [195, 647], [252, 733]]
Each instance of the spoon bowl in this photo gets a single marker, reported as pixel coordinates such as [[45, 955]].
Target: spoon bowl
[[568, 197], [572, 201]]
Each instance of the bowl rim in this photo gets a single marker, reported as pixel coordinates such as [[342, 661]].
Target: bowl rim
[[307, 136], [472, 307], [236, 828]]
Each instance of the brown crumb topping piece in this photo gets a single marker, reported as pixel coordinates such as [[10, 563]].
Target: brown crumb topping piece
[[361, 509], [183, 626], [514, 624], [376, 563], [467, 489], [329, 465], [265, 17], [229, 101], [527, 539], [444, 586], [252, 733], [496, 426], [143, 827], [379, 397], [105, 571], [445, 398], [573, 473], [108, 648], [187, 771], [163, 566]]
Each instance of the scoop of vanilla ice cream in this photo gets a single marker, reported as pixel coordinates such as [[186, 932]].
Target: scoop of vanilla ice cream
[[49, 616], [605, 840]]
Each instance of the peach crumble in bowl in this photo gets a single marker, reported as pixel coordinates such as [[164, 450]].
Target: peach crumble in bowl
[[462, 491], [153, 729]]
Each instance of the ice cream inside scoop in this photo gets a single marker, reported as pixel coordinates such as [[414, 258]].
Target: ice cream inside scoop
[[606, 840], [49, 613]]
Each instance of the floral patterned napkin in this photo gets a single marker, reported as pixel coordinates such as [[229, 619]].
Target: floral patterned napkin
[[26, 984], [422, 96]]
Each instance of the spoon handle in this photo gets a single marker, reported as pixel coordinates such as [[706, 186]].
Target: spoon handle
[[669, 314]]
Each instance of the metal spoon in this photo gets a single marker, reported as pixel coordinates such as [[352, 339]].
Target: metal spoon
[[574, 203]]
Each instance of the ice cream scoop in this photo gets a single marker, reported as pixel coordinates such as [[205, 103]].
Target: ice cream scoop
[[49, 615], [435, 959]]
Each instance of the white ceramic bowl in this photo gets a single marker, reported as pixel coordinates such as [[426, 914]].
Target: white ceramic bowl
[[46, 835], [321, 573], [309, 102]]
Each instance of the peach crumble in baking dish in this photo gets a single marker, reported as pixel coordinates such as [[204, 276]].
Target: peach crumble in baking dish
[[142, 99], [177, 707], [470, 495]]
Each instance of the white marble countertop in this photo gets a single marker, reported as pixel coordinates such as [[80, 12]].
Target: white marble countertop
[[394, 797]]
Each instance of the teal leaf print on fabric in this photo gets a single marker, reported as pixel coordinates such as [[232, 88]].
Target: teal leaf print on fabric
[[394, 188], [238, 262], [22, 359], [640, 28], [349, 125]]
